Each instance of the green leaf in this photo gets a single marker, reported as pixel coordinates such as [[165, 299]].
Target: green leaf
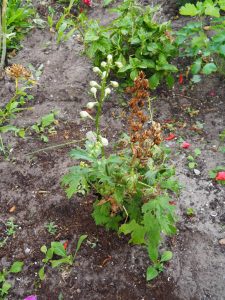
[[79, 243], [170, 81], [154, 80], [16, 267], [58, 248], [41, 273], [209, 68], [166, 256], [107, 2], [196, 67], [196, 78], [192, 165], [189, 10], [44, 249], [151, 273], [47, 120], [82, 154], [212, 11], [5, 288], [65, 260], [197, 152], [137, 232], [153, 252]]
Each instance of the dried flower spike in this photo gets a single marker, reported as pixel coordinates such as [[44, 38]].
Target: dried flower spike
[[17, 71]]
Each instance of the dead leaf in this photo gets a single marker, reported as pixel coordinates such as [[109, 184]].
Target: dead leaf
[[105, 261], [12, 209]]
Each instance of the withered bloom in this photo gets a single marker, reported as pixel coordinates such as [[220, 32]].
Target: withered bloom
[[144, 133], [17, 71]]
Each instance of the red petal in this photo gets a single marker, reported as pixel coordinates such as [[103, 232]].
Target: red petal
[[171, 136], [65, 245], [172, 202], [185, 145], [220, 175], [181, 79]]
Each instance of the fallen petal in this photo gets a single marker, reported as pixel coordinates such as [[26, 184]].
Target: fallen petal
[[31, 297], [220, 176], [170, 137], [185, 145]]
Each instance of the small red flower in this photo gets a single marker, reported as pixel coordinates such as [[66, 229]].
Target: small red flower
[[87, 2], [172, 202], [170, 137], [220, 176], [65, 245], [181, 79], [185, 145]]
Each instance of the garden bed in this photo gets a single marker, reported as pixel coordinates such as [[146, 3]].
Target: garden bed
[[106, 266]]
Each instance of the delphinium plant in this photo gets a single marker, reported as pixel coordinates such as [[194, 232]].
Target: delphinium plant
[[135, 183]]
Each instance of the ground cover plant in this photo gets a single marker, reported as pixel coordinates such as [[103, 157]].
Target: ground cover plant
[[145, 175]]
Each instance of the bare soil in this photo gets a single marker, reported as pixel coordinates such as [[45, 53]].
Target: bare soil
[[30, 181]]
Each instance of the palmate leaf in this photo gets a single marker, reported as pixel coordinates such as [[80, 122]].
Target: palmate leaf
[[189, 10], [137, 232], [82, 154], [75, 181]]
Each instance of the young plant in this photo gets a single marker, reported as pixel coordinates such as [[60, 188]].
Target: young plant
[[134, 183], [51, 228], [45, 126], [5, 285], [135, 39], [203, 41], [8, 112], [190, 212], [9, 231], [56, 255]]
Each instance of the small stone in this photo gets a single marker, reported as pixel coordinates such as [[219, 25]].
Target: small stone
[[78, 291], [27, 250], [213, 214], [222, 242], [197, 172]]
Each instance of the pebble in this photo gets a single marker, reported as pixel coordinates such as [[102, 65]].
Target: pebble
[[78, 291], [197, 172], [213, 214], [27, 250], [222, 242]]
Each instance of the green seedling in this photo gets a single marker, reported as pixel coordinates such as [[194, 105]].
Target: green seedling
[[192, 158], [10, 231], [56, 255], [190, 212], [5, 285], [51, 228], [46, 126], [158, 266]]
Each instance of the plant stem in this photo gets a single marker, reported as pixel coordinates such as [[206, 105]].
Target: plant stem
[[4, 29]]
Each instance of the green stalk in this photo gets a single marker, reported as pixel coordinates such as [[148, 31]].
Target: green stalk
[[4, 31]]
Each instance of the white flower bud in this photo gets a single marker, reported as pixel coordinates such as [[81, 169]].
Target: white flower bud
[[107, 91], [91, 136], [96, 70], [104, 74], [94, 91], [115, 84], [91, 105], [119, 64], [109, 58], [104, 141], [94, 84], [84, 114], [103, 64]]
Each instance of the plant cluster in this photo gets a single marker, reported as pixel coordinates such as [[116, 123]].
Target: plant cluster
[[203, 40], [133, 184], [5, 285], [137, 40], [57, 255], [23, 81]]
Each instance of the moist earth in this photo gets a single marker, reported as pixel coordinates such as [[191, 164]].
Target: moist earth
[[107, 266]]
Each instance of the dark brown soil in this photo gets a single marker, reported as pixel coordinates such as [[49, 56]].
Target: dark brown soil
[[107, 266]]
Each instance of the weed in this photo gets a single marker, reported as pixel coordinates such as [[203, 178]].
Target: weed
[[57, 250], [46, 126], [9, 231], [190, 212], [51, 228], [5, 285]]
